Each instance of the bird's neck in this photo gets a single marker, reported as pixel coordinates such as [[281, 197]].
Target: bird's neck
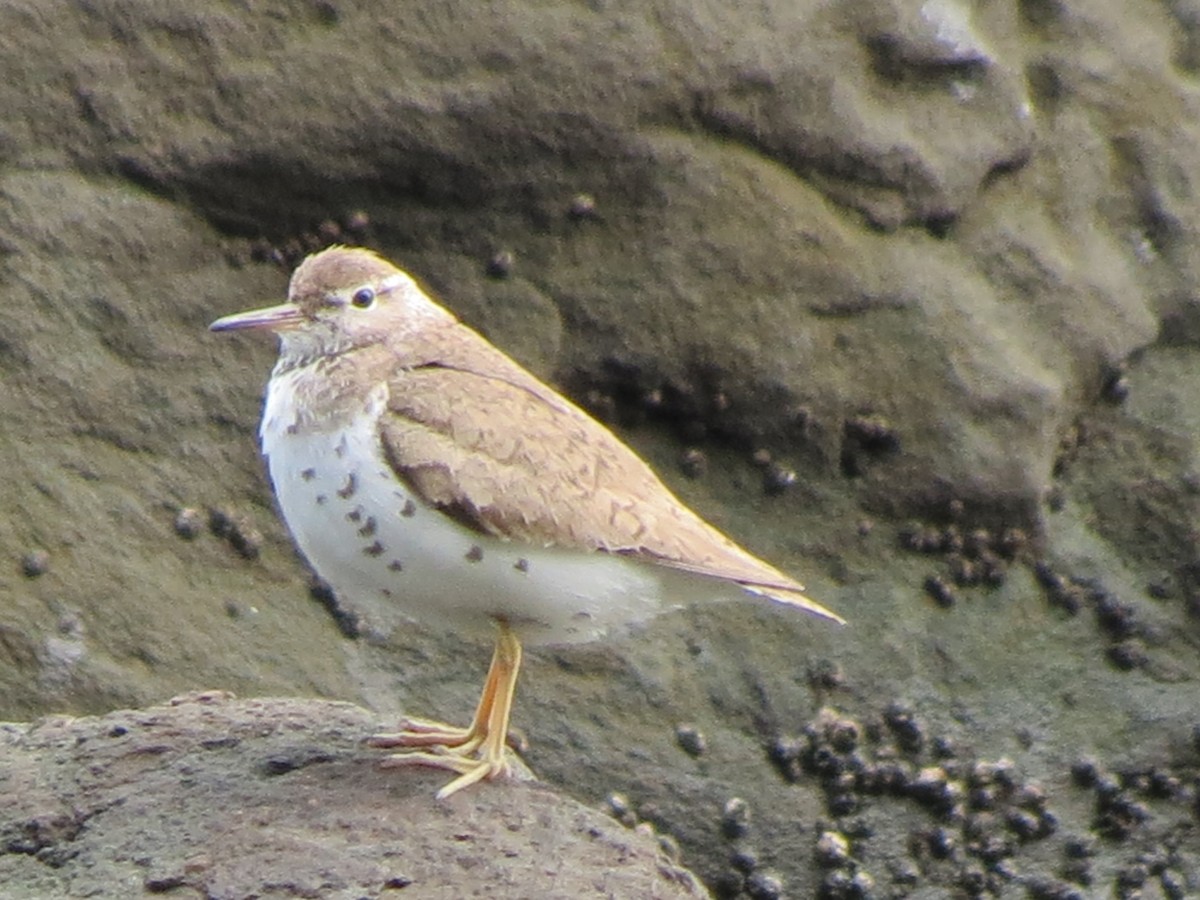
[[325, 391], [302, 349]]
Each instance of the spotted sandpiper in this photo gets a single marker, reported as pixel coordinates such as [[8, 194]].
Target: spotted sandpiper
[[427, 476]]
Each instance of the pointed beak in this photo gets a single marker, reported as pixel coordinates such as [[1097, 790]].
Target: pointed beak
[[272, 318]]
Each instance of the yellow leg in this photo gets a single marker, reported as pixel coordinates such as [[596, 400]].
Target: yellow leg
[[425, 733], [478, 751]]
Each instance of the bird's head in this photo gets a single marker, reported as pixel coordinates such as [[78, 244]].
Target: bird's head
[[339, 299]]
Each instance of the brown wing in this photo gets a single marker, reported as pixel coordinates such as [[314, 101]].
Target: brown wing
[[516, 460]]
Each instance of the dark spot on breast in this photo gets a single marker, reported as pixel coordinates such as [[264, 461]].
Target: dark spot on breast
[[521, 565], [322, 499], [386, 592], [341, 447], [368, 528], [355, 515], [475, 554], [292, 429], [308, 474], [395, 566], [351, 486], [375, 549], [410, 509]]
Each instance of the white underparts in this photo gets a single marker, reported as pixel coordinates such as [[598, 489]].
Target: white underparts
[[393, 559]]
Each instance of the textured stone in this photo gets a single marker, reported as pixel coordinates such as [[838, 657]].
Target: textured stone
[[209, 796]]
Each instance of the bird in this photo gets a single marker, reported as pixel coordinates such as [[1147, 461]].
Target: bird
[[428, 477]]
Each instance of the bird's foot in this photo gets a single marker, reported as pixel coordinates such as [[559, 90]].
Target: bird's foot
[[477, 752], [426, 733], [472, 765]]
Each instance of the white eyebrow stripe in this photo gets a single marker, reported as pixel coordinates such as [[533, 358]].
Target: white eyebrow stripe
[[392, 282]]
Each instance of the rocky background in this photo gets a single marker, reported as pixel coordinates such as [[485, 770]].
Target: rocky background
[[902, 296]]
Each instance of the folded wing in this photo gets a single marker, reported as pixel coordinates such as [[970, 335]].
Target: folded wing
[[524, 464]]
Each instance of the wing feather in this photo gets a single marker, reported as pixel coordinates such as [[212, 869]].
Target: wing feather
[[520, 462]]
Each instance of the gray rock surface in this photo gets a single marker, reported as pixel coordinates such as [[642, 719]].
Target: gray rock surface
[[209, 796], [939, 260]]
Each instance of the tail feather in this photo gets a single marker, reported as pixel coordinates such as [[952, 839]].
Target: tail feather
[[794, 598]]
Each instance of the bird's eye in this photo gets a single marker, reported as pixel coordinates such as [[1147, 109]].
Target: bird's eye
[[363, 297]]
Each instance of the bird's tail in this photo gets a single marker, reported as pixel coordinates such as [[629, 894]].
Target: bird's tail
[[794, 598]]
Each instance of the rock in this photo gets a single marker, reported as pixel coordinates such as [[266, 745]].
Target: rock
[[209, 796], [891, 192]]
